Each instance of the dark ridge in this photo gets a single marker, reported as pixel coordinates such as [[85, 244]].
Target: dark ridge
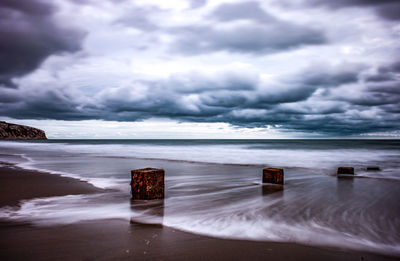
[[9, 131]]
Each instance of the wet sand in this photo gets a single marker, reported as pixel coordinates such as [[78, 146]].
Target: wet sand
[[17, 184], [119, 240]]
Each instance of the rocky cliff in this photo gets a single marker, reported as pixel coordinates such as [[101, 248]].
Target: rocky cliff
[[9, 131]]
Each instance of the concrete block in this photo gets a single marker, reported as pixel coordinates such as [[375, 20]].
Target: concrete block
[[273, 175], [147, 183]]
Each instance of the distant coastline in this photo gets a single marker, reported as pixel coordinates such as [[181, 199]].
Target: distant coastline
[[10, 131]]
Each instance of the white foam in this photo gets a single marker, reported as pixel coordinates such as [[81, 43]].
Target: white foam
[[326, 160], [241, 220], [224, 154], [64, 210], [105, 183]]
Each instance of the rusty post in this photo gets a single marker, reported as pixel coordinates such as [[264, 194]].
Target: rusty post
[[147, 183], [272, 175]]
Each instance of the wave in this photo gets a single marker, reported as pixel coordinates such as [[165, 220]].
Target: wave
[[324, 160], [244, 220], [224, 154]]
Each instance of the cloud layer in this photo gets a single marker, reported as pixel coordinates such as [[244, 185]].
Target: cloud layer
[[250, 64]]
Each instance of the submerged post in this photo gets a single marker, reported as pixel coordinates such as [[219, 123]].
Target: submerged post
[[273, 175], [345, 171], [147, 183]]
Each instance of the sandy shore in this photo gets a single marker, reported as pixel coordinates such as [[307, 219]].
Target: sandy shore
[[119, 240], [17, 184]]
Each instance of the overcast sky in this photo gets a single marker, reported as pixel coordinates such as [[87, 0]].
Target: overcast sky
[[201, 69]]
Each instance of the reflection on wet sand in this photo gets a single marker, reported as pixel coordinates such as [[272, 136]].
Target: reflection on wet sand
[[149, 212], [344, 188], [268, 189]]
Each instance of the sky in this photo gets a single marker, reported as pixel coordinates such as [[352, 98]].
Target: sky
[[202, 69]]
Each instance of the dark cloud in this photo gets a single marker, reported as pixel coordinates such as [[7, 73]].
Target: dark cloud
[[390, 72], [197, 3], [194, 82], [382, 77], [325, 75], [303, 85], [246, 10], [388, 88], [262, 34], [8, 96], [244, 38], [373, 98], [380, 88], [258, 33], [29, 35], [340, 125], [241, 99], [28, 7], [41, 104], [388, 9], [391, 68], [140, 18], [344, 3], [224, 100], [282, 94]]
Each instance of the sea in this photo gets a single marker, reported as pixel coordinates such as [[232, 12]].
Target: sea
[[214, 188]]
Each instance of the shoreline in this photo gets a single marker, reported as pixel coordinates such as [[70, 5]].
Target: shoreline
[[113, 239], [19, 184]]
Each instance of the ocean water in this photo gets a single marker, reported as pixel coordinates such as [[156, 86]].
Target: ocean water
[[213, 187]]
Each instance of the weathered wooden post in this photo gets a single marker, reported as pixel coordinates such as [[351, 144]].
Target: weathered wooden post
[[147, 183], [273, 175], [345, 171]]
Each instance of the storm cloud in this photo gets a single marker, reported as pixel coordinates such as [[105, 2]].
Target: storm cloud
[[197, 3], [252, 64], [243, 28], [29, 35], [388, 9], [241, 99]]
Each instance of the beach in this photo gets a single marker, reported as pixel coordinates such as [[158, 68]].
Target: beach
[[113, 239], [46, 215]]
